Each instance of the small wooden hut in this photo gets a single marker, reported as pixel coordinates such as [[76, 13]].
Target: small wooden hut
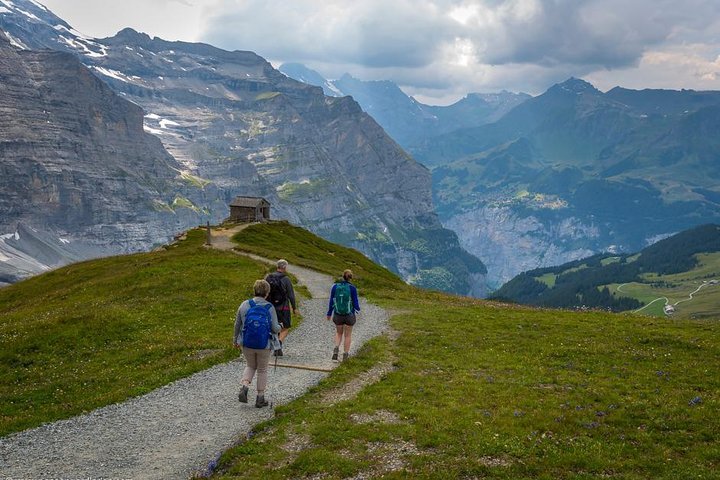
[[249, 209]]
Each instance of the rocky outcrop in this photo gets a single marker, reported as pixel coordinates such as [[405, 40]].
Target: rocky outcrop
[[509, 243], [77, 166]]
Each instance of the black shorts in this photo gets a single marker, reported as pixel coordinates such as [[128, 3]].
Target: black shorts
[[284, 318], [344, 319]]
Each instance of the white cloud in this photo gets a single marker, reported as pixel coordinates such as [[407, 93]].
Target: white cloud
[[696, 66], [442, 49], [438, 49]]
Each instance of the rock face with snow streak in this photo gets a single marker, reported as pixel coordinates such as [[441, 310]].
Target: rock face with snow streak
[[77, 172], [238, 125]]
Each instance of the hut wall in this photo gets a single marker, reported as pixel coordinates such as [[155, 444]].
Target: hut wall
[[243, 214]]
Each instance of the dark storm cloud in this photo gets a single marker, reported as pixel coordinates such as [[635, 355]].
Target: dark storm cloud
[[608, 33], [370, 33]]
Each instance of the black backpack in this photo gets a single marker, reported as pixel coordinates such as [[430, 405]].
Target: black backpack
[[278, 295]]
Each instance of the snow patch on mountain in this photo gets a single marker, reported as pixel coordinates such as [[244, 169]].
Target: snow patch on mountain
[[15, 42], [165, 123], [112, 73], [83, 48], [153, 131]]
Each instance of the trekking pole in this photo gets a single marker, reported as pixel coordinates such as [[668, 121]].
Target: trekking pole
[[272, 399]]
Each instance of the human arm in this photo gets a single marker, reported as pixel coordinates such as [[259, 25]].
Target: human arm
[[330, 303], [239, 320], [355, 301]]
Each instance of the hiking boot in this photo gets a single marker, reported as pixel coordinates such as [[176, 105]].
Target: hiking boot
[[346, 355], [335, 354], [261, 402], [242, 396]]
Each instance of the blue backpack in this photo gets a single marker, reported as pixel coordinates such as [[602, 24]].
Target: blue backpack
[[256, 330]]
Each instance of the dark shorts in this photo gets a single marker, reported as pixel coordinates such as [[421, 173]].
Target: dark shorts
[[284, 318], [344, 319]]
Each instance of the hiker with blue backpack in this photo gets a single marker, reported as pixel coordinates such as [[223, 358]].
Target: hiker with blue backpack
[[342, 309], [255, 323]]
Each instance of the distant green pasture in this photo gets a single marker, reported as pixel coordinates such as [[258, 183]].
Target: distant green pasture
[[548, 279], [609, 260], [677, 288]]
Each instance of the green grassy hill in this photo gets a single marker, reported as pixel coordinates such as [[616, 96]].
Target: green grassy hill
[[467, 388], [665, 273]]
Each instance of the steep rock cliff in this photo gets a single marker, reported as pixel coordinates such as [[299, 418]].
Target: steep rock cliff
[[76, 164]]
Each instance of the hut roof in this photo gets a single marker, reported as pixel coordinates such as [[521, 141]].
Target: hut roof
[[249, 202]]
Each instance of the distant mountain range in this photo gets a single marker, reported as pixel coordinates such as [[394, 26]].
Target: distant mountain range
[[232, 125], [575, 171], [532, 182], [678, 275], [406, 120]]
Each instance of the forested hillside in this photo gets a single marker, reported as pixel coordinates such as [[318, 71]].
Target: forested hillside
[[586, 282]]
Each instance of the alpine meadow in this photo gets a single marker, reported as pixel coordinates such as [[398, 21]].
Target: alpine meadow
[[469, 388], [458, 239]]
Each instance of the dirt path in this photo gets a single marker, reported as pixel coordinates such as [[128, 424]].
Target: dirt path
[[178, 430]]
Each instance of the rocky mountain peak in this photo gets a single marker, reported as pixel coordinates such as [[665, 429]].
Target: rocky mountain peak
[[302, 73], [501, 98], [31, 10], [130, 36], [29, 25], [576, 86]]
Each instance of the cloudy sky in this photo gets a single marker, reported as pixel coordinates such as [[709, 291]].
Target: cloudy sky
[[439, 50]]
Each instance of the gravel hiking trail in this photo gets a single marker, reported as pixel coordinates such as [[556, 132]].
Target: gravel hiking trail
[[179, 430]]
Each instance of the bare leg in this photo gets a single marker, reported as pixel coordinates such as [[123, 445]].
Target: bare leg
[[348, 338], [338, 335], [283, 333]]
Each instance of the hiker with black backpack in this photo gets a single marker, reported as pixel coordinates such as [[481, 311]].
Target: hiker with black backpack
[[342, 308], [255, 323], [282, 296]]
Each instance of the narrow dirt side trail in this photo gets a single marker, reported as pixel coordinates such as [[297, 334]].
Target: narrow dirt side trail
[[177, 430]]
